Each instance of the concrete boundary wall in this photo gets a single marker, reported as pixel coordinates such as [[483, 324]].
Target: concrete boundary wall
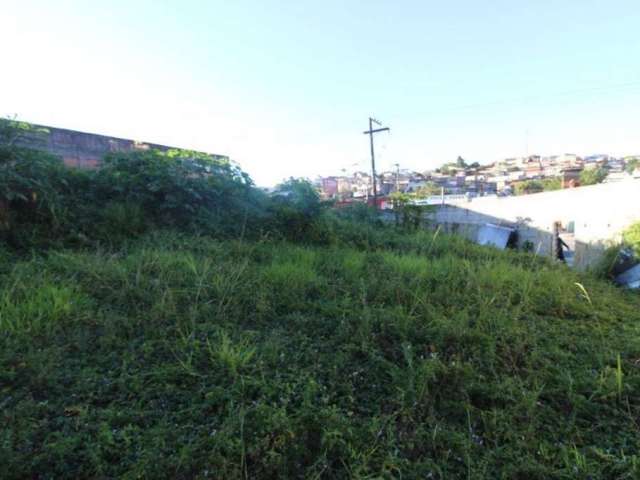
[[597, 215], [84, 150]]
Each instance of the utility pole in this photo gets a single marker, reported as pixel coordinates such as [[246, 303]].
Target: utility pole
[[397, 176], [370, 132]]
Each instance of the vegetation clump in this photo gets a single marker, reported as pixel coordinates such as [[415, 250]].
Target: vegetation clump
[[593, 176], [621, 256], [527, 187], [131, 193]]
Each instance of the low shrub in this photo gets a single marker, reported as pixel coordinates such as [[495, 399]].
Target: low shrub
[[619, 258], [631, 237]]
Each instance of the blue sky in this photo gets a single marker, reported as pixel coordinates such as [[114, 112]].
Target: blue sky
[[286, 87]]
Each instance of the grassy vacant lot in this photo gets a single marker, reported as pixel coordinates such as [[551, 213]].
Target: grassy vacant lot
[[187, 357]]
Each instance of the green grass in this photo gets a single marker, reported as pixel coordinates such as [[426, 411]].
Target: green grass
[[383, 356]]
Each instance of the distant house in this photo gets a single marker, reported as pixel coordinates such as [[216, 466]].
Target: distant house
[[596, 159], [569, 160], [616, 165], [394, 181], [335, 187], [414, 185], [329, 187], [361, 185]]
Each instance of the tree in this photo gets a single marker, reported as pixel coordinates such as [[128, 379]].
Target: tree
[[295, 208], [537, 186], [426, 190], [177, 188], [550, 184], [460, 163], [631, 165], [299, 193], [527, 187], [406, 214], [593, 176]]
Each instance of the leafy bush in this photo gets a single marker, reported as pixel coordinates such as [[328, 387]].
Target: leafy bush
[[631, 237], [408, 215], [181, 189], [535, 186], [40, 198], [619, 258], [360, 213], [295, 208], [122, 220], [593, 176], [42, 201]]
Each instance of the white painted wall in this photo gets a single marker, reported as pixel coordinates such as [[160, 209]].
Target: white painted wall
[[600, 214]]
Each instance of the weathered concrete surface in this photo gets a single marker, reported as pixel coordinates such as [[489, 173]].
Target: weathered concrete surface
[[599, 214], [80, 149]]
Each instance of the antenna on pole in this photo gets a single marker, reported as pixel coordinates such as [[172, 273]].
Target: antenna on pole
[[370, 132]]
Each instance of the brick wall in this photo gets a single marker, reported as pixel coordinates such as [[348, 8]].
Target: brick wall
[[80, 149]]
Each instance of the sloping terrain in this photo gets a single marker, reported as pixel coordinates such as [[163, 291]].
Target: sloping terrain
[[424, 357]]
